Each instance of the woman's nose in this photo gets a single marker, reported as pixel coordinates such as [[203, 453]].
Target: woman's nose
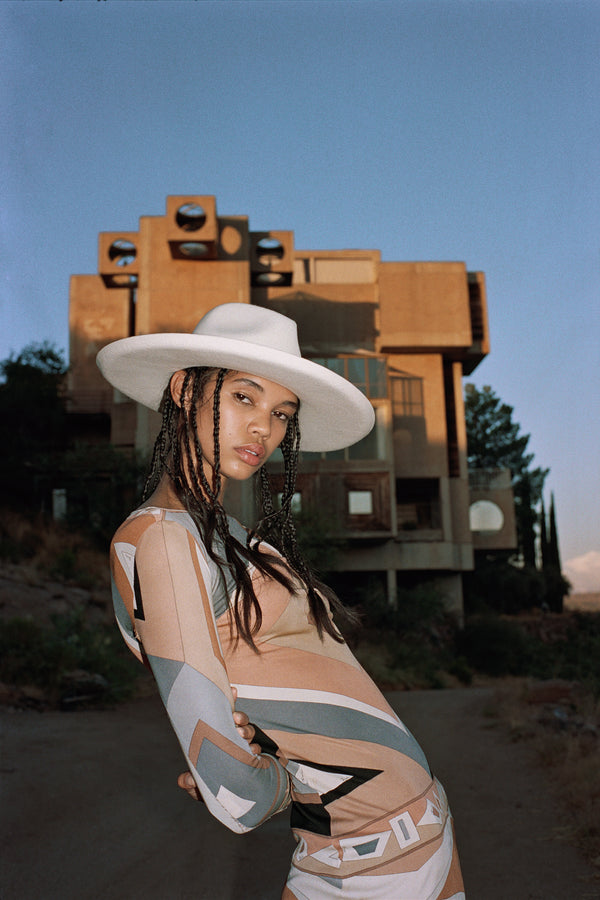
[[261, 423]]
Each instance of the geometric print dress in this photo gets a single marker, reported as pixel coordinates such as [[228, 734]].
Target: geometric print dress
[[369, 819]]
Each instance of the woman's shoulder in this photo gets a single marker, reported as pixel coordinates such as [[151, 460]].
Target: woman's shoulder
[[150, 518]]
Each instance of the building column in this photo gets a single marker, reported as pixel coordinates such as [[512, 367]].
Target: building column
[[392, 587]]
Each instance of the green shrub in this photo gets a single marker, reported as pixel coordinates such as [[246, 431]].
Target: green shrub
[[577, 657], [316, 531], [410, 643], [63, 656], [496, 585], [497, 646], [494, 646]]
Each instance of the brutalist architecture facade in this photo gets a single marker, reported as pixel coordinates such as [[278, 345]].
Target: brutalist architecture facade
[[405, 332]]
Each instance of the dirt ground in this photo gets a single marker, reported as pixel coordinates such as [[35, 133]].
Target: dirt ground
[[90, 810]]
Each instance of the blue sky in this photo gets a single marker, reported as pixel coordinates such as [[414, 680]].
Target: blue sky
[[429, 130]]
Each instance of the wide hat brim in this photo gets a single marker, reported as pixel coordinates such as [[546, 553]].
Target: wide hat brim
[[333, 413]]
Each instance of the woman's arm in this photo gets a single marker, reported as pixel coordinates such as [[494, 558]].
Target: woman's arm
[[174, 623], [244, 728]]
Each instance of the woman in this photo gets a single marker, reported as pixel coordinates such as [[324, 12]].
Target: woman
[[221, 614]]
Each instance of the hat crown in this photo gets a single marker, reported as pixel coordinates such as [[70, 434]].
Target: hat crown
[[251, 324], [246, 338]]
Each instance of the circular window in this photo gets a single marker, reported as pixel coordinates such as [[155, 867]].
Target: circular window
[[193, 249], [190, 217], [269, 250], [270, 278], [485, 516], [123, 280], [122, 252], [231, 240]]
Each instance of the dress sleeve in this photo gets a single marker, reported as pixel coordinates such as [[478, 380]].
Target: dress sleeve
[[174, 621]]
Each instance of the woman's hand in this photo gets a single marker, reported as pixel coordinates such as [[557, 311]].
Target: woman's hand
[[245, 730], [243, 726], [187, 783]]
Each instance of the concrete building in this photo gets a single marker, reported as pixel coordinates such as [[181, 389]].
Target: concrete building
[[405, 332]]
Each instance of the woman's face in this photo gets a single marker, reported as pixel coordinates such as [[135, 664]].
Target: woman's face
[[254, 414]]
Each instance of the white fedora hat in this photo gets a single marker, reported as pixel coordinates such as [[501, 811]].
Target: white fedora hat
[[333, 412]]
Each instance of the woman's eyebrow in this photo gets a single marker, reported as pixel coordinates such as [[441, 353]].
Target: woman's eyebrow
[[248, 381]]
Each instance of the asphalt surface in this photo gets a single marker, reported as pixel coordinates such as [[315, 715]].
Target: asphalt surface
[[90, 810]]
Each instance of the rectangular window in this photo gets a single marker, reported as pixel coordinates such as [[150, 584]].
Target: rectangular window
[[296, 501], [377, 378], [356, 372], [360, 503], [367, 501], [407, 396], [418, 503], [368, 373], [336, 365]]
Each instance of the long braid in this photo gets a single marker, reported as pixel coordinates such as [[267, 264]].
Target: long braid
[[194, 454], [279, 527], [274, 520], [216, 437], [165, 445]]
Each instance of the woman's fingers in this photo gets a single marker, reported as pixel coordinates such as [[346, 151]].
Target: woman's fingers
[[187, 783]]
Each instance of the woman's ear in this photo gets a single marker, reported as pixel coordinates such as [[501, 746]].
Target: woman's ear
[[176, 386]]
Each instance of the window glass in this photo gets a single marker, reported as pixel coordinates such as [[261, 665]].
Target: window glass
[[407, 394], [367, 373], [336, 365], [357, 373], [331, 362], [418, 503], [360, 503], [377, 378], [296, 501], [485, 517]]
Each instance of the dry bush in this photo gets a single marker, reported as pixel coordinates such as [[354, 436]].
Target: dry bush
[[59, 646], [562, 722], [44, 549]]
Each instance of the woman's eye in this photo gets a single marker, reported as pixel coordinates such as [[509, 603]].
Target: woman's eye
[[242, 398], [283, 416]]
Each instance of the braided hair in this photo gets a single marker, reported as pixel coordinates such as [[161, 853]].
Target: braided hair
[[177, 452]]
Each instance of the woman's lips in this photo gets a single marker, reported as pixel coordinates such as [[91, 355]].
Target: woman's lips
[[251, 454]]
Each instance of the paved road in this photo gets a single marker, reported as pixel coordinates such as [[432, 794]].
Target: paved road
[[90, 811]]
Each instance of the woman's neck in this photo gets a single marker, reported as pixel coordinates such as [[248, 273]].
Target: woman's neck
[[165, 496]]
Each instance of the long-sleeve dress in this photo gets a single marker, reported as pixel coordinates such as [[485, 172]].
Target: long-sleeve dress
[[369, 818]]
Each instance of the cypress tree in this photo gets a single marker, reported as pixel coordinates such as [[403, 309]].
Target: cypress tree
[[553, 551], [556, 586], [527, 521], [544, 549]]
